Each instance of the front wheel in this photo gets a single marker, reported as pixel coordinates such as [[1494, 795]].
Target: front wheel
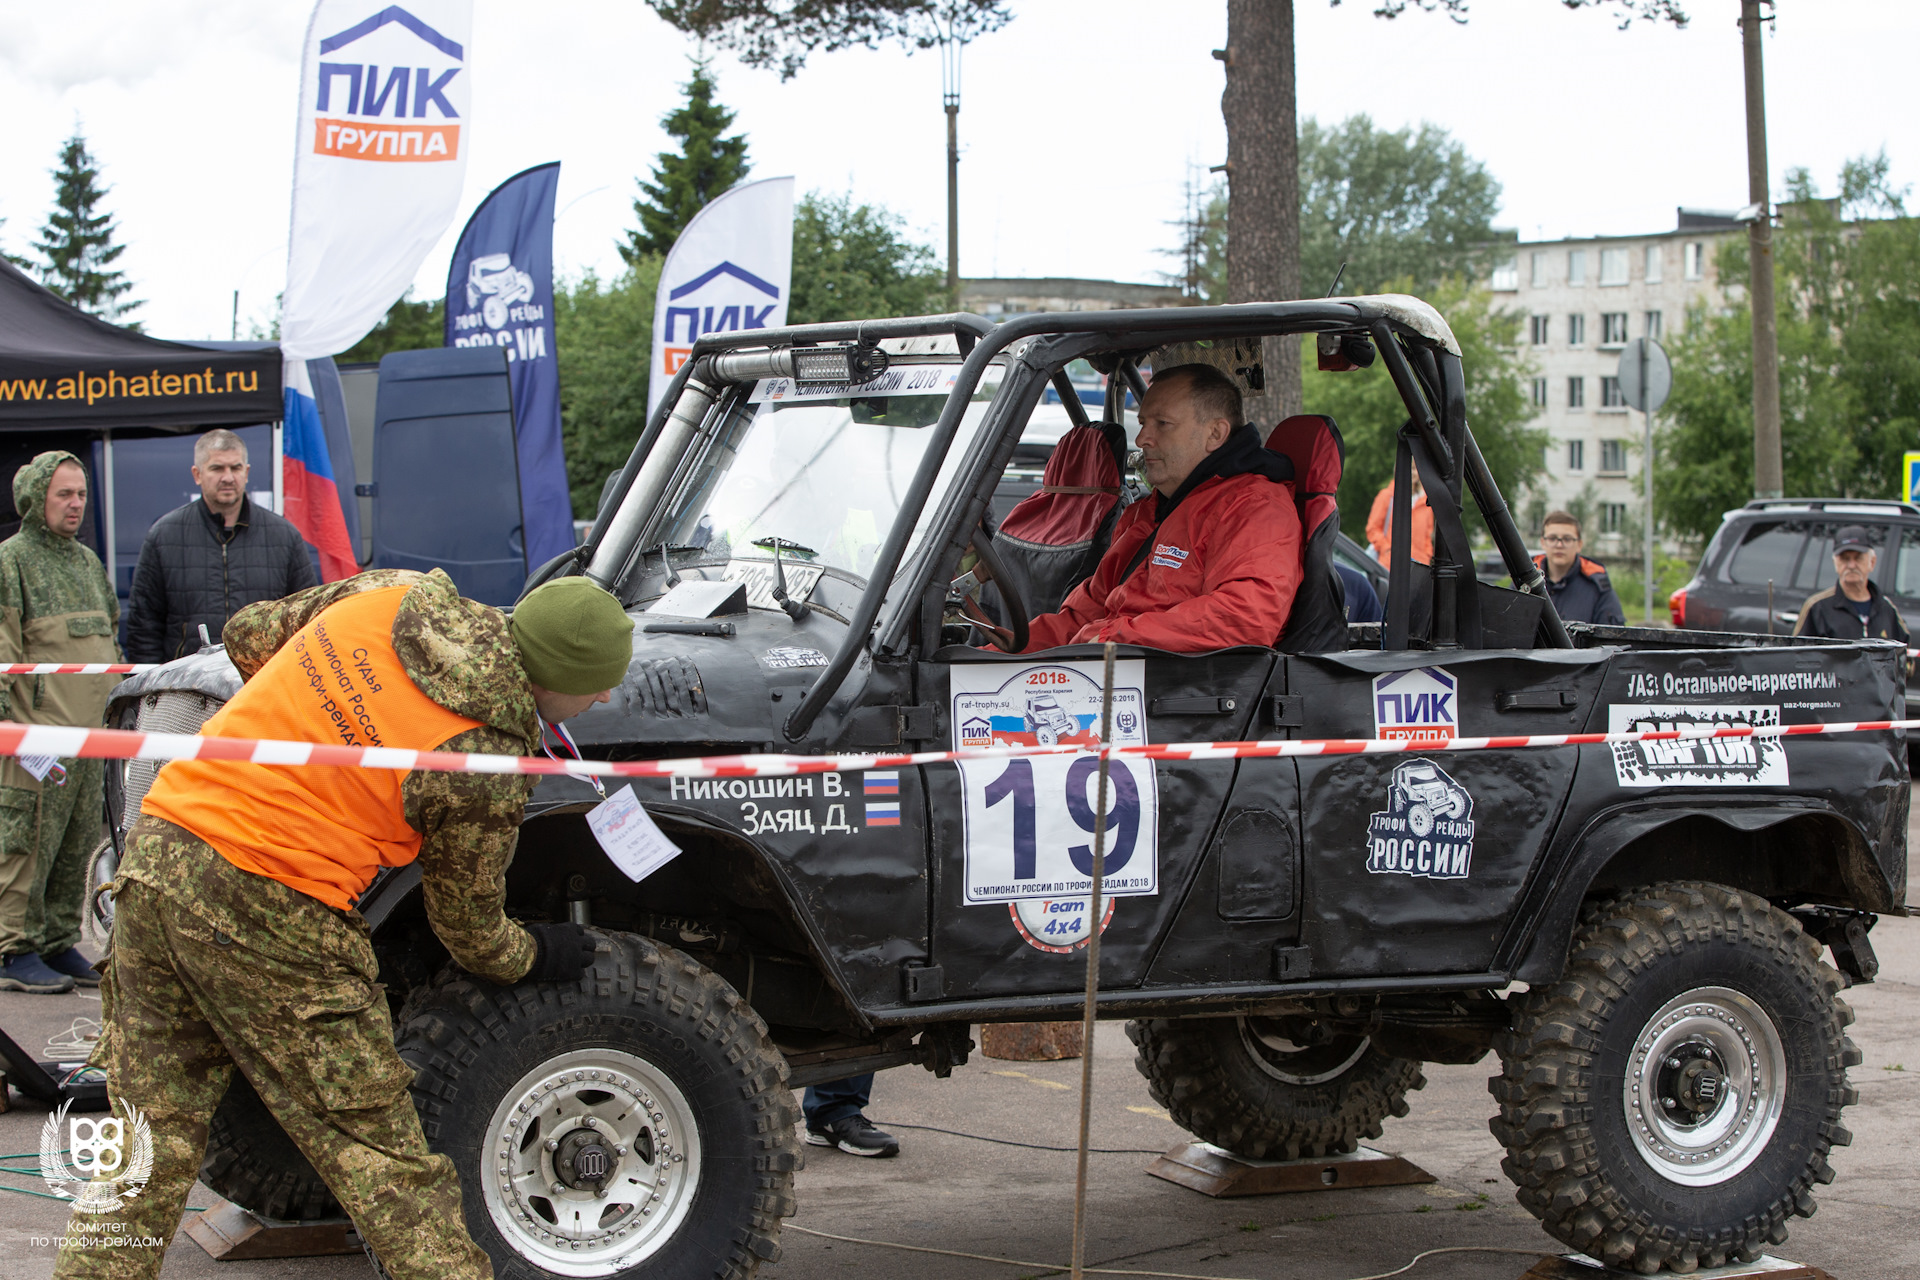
[[1671, 1101], [1271, 1088], [637, 1120]]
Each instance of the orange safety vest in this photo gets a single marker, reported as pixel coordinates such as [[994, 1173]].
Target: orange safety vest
[[321, 830]]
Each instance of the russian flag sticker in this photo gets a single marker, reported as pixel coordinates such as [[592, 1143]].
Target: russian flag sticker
[[882, 791], [883, 784]]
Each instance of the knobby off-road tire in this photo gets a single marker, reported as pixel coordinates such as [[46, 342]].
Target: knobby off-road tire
[[251, 1161], [1645, 1164], [1240, 1084], [648, 1079]]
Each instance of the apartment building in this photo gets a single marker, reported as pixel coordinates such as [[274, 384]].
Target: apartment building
[[1583, 301]]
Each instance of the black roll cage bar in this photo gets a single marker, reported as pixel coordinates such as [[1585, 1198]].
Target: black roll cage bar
[[1426, 376]]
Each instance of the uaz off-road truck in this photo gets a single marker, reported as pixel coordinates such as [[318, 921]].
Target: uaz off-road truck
[[1290, 939]]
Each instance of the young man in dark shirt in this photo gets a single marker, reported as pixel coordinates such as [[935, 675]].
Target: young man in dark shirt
[[1578, 587], [1852, 608]]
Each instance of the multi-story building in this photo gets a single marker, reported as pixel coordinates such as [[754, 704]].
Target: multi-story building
[[1583, 300], [1004, 298]]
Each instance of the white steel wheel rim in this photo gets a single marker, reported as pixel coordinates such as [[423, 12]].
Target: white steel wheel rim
[[1291, 1062], [1720, 1025], [576, 1231]]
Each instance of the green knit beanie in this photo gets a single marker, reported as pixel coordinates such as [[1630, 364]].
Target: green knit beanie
[[573, 636]]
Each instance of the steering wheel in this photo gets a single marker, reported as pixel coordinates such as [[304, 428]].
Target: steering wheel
[[1010, 593]]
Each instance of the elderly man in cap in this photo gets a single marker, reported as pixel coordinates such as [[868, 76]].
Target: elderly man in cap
[[1852, 608], [236, 942]]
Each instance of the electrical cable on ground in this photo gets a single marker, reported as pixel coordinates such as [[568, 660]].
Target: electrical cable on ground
[[1149, 1275], [1009, 1142]]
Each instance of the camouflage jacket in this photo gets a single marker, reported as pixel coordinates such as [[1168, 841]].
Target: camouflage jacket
[[460, 654], [56, 605]]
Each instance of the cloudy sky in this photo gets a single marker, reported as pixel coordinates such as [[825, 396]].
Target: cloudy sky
[[1079, 121]]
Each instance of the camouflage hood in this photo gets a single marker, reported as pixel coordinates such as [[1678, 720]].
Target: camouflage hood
[[30, 484]]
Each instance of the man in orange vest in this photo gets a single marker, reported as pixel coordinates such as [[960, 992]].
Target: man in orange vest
[[1380, 525], [235, 939]]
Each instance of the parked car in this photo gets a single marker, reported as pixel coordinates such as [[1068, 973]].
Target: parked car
[[1770, 555]]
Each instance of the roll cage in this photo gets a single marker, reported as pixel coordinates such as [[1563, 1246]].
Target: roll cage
[[1444, 607]]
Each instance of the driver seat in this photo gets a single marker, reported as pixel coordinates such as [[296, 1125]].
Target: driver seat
[[1053, 540], [1318, 620]]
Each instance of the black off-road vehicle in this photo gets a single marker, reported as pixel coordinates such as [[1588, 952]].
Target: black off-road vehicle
[[1290, 938]]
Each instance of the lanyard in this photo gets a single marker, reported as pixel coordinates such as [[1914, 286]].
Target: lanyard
[[560, 732]]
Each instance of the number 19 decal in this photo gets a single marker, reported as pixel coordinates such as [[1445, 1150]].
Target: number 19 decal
[[1030, 820]]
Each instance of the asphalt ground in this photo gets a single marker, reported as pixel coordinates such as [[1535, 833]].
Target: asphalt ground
[[958, 1191]]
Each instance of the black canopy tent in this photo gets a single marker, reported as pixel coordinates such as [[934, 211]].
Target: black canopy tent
[[64, 372]]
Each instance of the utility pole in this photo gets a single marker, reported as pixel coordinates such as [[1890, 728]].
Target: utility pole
[[950, 46], [1768, 473]]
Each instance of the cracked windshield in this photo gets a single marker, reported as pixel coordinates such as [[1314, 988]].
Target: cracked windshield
[[822, 470]]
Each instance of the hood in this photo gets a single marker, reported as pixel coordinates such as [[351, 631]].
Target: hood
[[30, 484], [1243, 452]]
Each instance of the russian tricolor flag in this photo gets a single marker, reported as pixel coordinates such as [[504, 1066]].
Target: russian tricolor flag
[[882, 795], [312, 500]]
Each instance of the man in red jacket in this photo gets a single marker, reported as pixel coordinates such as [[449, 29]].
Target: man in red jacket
[[1213, 559]]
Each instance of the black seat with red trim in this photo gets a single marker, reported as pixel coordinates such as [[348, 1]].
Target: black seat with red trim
[[1318, 621], [1053, 540]]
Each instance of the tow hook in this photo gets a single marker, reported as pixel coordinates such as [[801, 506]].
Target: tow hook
[[1844, 932]]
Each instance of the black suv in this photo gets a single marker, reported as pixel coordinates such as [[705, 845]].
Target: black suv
[[1770, 555]]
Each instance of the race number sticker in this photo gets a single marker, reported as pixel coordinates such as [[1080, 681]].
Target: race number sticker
[[1701, 762], [1029, 821]]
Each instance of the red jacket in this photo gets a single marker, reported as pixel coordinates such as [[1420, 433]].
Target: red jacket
[[1223, 571]]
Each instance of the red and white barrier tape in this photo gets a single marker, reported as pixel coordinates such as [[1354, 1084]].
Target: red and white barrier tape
[[123, 744], [76, 668]]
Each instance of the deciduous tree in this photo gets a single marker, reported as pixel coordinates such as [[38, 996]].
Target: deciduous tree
[[853, 261], [1848, 318]]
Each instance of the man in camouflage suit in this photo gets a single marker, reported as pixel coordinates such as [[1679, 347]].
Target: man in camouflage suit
[[215, 965], [56, 605]]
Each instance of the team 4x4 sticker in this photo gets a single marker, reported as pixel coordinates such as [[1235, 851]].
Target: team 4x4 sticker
[[1696, 762], [1029, 822], [1426, 829]]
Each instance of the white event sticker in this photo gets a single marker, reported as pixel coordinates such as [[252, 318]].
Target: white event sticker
[[627, 832], [1696, 762], [1030, 820]]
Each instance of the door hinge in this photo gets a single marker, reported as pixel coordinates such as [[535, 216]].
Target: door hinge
[[1287, 710], [923, 981], [889, 726], [1291, 962]]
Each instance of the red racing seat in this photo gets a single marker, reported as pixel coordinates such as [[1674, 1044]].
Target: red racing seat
[[1053, 540]]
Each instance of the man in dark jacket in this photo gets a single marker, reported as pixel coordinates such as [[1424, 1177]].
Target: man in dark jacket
[[1852, 608], [208, 560], [1578, 587]]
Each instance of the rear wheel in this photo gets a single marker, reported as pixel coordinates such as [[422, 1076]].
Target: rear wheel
[[1271, 1088], [1671, 1101], [251, 1161], [637, 1120]]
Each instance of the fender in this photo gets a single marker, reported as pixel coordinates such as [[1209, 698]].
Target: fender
[[396, 889], [1535, 948]]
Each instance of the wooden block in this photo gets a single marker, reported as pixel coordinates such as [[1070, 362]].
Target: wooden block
[[1578, 1266], [1031, 1041], [231, 1234], [1203, 1167]]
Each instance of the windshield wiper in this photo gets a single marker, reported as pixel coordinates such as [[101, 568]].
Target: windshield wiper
[[795, 609]]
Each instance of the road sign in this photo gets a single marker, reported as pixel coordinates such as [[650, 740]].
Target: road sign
[[1910, 477], [1646, 375]]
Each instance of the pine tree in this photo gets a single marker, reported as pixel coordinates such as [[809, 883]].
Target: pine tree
[[76, 245], [707, 165]]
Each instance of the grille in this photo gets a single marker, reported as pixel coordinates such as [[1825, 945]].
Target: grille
[[174, 711]]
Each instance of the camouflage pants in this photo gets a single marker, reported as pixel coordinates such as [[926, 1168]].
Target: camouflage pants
[[46, 837], [213, 968]]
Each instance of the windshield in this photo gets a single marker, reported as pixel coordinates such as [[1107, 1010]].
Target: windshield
[[826, 472]]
